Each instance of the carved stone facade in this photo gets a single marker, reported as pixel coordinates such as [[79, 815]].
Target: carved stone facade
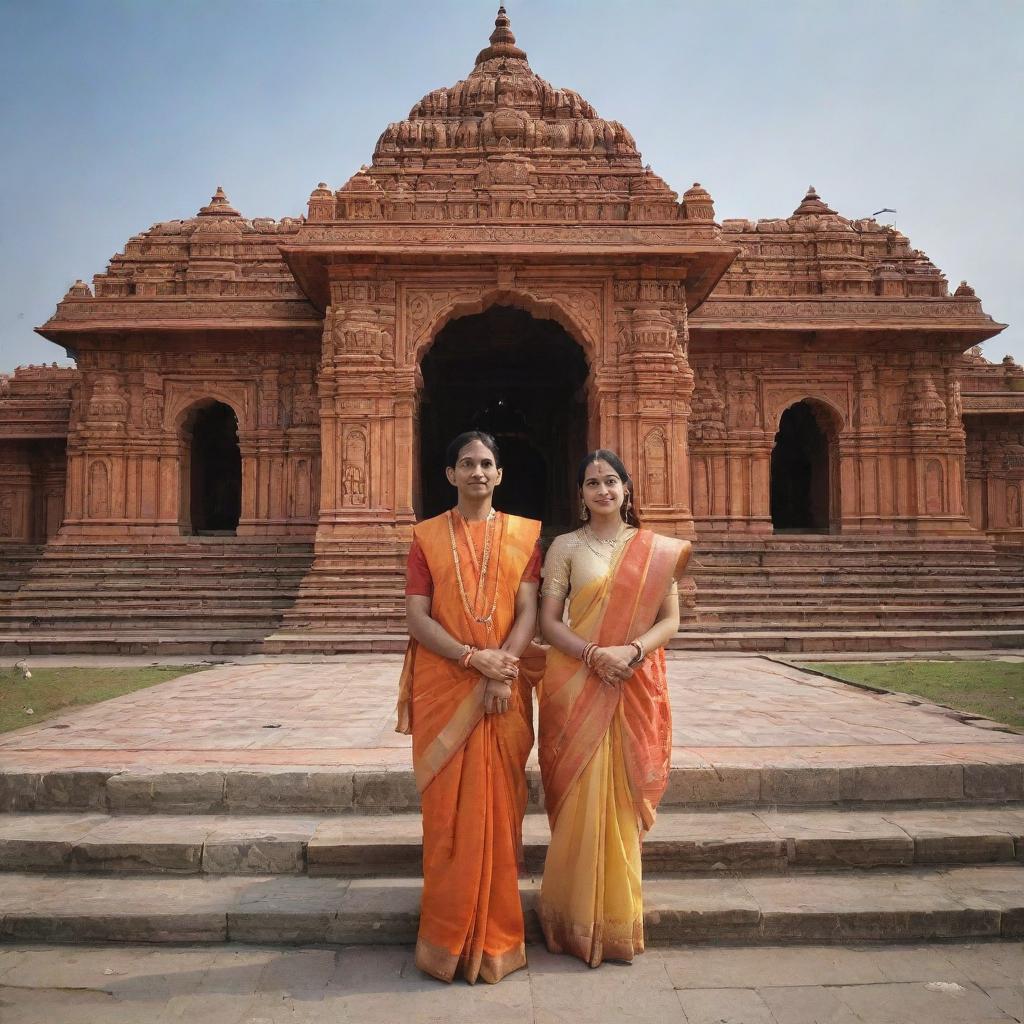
[[699, 340]]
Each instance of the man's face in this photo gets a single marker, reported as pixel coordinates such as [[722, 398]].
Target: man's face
[[475, 474]]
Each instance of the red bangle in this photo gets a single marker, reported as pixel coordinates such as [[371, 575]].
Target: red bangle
[[468, 657]]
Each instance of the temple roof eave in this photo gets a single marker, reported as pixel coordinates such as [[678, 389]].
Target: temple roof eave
[[702, 266]]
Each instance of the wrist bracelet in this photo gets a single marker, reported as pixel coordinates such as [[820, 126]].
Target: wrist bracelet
[[467, 657], [639, 653], [588, 654]]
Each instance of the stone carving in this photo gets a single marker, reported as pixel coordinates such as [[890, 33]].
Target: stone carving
[[353, 474], [1013, 507], [99, 490], [6, 513], [305, 408], [922, 405], [108, 403], [707, 422], [934, 487], [655, 468]]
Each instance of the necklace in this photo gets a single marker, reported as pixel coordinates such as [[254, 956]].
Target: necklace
[[481, 567], [606, 548]]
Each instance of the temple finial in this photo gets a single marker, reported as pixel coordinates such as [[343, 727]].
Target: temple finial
[[219, 206], [812, 204], [503, 42]]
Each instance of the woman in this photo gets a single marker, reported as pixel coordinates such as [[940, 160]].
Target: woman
[[471, 603], [605, 723]]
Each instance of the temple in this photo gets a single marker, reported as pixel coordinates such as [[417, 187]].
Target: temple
[[260, 407]]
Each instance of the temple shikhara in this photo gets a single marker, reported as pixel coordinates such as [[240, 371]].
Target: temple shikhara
[[259, 409]]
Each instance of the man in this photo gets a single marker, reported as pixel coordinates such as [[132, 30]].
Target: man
[[471, 603]]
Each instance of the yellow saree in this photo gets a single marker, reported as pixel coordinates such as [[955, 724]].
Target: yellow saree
[[470, 768], [604, 756]]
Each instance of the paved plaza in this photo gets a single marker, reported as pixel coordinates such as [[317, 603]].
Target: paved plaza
[[925, 984], [728, 712]]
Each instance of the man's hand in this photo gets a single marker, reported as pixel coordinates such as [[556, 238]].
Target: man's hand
[[497, 697], [495, 664], [612, 663]]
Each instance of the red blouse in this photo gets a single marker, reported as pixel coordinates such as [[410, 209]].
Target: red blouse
[[418, 580]]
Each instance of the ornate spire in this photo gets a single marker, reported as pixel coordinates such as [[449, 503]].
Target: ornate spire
[[219, 206], [812, 203], [503, 42]]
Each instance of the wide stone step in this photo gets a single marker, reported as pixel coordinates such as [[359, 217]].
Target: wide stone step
[[995, 774], [778, 615], [920, 904], [355, 846], [731, 637], [119, 640], [936, 596]]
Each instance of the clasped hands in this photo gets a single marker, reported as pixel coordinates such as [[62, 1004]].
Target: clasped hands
[[500, 670], [612, 664]]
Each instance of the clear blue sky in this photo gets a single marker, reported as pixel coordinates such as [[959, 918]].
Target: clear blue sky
[[119, 114]]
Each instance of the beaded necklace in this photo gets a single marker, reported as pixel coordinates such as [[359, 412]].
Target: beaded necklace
[[481, 567]]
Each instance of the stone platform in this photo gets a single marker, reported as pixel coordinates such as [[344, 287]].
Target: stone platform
[[271, 802]]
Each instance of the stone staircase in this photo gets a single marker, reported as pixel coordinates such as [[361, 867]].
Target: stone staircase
[[823, 593], [792, 593], [887, 853], [197, 596], [16, 561]]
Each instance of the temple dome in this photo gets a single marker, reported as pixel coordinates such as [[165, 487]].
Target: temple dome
[[502, 98]]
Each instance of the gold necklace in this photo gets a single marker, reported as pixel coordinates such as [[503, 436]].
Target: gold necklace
[[482, 568], [610, 545]]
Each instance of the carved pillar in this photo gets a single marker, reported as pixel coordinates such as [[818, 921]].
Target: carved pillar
[[654, 405], [366, 418]]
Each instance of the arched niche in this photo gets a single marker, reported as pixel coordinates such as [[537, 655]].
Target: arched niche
[[805, 469], [211, 468]]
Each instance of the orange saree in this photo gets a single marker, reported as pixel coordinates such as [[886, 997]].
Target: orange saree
[[604, 755], [470, 767]]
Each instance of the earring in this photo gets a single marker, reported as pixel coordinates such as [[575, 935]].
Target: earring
[[584, 511], [626, 506]]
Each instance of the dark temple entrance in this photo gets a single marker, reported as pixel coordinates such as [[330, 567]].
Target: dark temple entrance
[[802, 495], [522, 380], [215, 469]]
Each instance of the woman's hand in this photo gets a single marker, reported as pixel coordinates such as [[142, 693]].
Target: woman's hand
[[495, 664], [497, 697], [612, 663]]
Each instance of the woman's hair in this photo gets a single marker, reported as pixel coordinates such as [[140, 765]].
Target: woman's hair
[[451, 453], [628, 509]]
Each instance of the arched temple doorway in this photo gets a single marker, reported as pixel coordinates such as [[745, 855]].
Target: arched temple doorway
[[804, 477], [521, 379], [213, 469]]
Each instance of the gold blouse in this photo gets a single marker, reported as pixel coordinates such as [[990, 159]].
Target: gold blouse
[[578, 558]]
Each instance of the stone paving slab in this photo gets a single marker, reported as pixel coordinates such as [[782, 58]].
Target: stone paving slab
[[728, 712], [954, 983], [892, 906], [358, 845]]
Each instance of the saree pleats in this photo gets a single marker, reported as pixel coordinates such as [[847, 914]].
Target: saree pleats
[[604, 755], [470, 768], [591, 904]]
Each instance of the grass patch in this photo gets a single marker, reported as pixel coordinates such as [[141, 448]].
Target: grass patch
[[52, 690], [992, 689]]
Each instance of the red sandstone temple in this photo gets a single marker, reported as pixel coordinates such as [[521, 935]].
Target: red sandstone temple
[[260, 407]]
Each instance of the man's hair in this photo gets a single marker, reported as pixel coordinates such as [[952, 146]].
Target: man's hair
[[451, 454]]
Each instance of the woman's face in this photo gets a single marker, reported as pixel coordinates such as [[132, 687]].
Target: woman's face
[[603, 490], [475, 474]]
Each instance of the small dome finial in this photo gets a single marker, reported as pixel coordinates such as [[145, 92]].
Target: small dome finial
[[219, 206], [503, 42], [812, 203]]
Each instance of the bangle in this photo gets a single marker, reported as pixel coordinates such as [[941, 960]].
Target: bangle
[[467, 656], [588, 654], [639, 656]]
